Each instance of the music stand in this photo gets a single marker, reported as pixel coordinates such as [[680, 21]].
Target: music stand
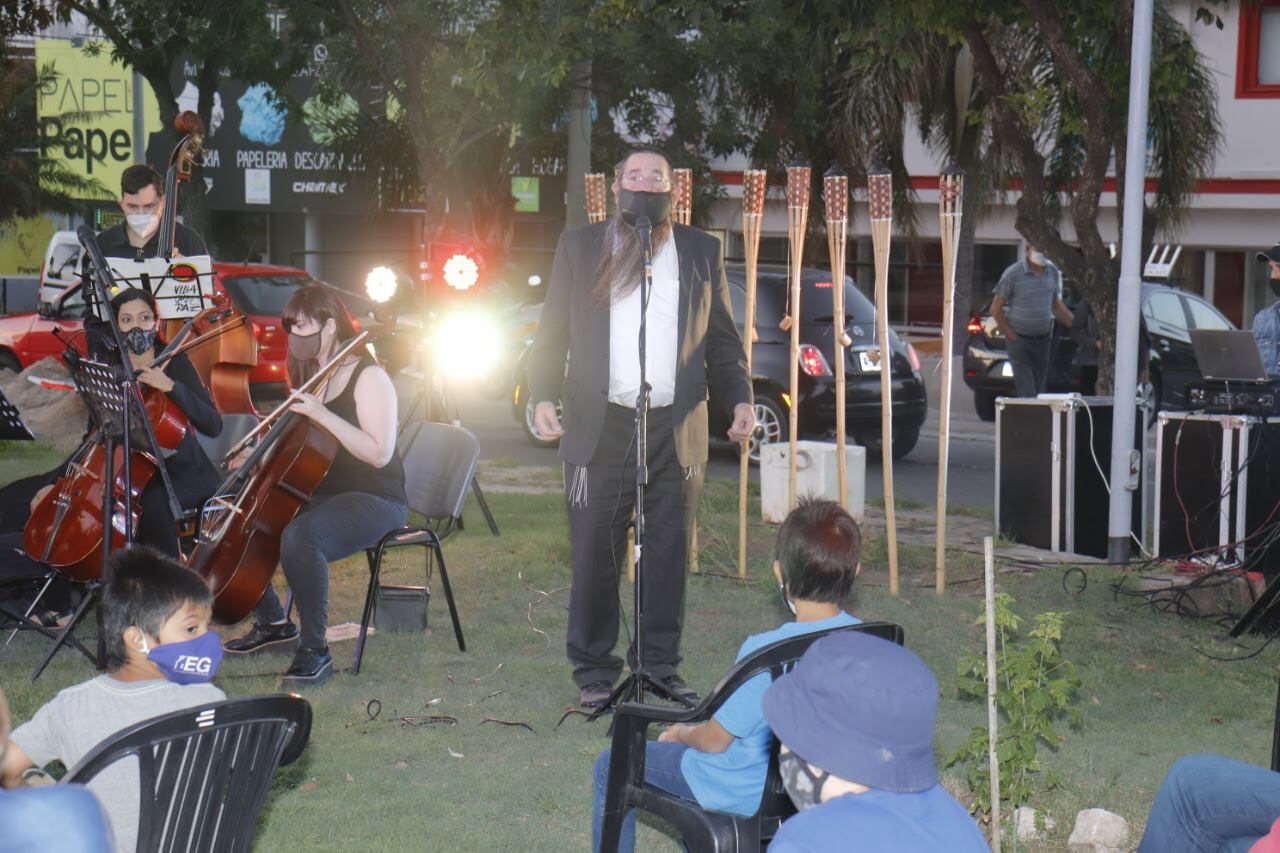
[[12, 427], [115, 415]]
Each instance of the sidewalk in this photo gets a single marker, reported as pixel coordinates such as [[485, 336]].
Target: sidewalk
[[965, 423]]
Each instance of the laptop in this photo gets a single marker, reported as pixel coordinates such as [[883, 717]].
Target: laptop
[[1228, 355]]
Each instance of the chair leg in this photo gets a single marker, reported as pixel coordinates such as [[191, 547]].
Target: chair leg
[[448, 595], [375, 569], [48, 579]]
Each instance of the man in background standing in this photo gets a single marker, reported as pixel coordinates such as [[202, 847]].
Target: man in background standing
[[1027, 299]]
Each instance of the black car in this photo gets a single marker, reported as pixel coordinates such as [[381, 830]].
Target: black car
[[1168, 315], [817, 399]]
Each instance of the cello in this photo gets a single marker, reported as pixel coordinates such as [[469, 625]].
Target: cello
[[238, 551], [224, 367]]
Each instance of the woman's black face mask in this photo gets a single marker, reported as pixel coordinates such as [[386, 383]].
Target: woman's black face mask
[[304, 347]]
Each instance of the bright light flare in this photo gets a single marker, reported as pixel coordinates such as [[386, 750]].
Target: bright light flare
[[461, 272], [467, 345], [380, 284]]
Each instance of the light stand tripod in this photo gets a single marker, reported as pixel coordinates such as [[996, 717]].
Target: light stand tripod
[[432, 390], [633, 687]]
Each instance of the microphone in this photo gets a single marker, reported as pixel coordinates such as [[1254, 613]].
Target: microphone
[[644, 229]]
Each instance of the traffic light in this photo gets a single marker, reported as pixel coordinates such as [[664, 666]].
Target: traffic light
[[452, 269]]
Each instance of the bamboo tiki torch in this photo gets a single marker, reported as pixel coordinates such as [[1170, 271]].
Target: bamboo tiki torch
[[880, 198], [950, 196], [753, 187], [835, 193], [797, 220], [597, 207], [682, 212]]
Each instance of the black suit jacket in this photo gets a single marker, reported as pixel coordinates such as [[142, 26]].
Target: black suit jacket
[[709, 347]]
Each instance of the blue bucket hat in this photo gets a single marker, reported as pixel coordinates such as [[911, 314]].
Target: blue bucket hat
[[861, 708]]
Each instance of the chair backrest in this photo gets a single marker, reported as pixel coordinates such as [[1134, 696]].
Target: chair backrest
[[234, 428], [439, 462], [204, 772]]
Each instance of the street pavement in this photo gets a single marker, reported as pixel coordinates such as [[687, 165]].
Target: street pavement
[[971, 477]]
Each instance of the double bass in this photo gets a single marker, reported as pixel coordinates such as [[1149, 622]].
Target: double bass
[[224, 365], [239, 549]]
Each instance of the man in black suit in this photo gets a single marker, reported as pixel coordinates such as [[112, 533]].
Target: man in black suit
[[592, 316]]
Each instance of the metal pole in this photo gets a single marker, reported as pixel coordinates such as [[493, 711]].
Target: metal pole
[[139, 118], [1129, 293], [578, 157]]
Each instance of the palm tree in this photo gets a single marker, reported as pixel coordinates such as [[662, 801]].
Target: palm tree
[[31, 183], [927, 79]]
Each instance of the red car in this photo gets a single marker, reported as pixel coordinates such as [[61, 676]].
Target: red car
[[257, 290]]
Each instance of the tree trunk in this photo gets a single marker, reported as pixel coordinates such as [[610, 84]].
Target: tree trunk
[[969, 293]]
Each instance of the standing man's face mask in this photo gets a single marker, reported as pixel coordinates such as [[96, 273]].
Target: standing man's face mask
[[634, 204], [1037, 257]]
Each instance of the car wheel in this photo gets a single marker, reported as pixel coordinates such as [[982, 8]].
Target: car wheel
[[904, 440], [530, 432], [984, 403], [9, 361], [772, 422]]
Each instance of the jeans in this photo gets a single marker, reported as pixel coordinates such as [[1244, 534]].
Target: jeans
[[661, 769], [1029, 358], [57, 819], [1210, 803], [330, 528]]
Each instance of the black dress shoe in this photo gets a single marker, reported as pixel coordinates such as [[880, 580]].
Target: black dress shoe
[[675, 685], [261, 636], [595, 694], [309, 667]]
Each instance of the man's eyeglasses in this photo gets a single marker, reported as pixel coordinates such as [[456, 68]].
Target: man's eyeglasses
[[653, 183]]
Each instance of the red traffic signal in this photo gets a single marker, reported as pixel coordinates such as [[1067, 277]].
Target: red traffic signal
[[452, 268]]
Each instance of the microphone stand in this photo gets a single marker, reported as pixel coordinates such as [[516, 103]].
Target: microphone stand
[[633, 687]]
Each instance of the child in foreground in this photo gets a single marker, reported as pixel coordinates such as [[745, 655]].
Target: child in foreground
[[160, 657], [721, 764]]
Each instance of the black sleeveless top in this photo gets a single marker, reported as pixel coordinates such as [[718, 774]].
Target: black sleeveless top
[[349, 474]]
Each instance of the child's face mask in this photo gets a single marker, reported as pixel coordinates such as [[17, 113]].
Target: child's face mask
[[191, 661]]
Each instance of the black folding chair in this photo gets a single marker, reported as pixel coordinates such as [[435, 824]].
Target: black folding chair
[[703, 830], [439, 464], [204, 772]]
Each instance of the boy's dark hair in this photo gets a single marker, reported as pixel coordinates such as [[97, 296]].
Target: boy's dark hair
[[819, 547], [138, 177], [145, 589]]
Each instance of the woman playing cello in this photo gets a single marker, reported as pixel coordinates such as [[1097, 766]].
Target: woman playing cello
[[360, 499], [193, 476]]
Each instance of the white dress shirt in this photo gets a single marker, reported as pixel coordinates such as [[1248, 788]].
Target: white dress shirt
[[661, 332]]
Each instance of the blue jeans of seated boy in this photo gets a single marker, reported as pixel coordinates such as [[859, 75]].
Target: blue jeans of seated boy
[[661, 769], [57, 819], [1211, 803]]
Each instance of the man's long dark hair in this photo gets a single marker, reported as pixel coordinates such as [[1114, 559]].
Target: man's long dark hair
[[621, 264]]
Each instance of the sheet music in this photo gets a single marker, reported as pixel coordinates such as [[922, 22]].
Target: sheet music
[[182, 287]]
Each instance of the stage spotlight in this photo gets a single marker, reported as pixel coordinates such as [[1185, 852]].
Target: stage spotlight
[[461, 271], [535, 280], [380, 284], [467, 344]]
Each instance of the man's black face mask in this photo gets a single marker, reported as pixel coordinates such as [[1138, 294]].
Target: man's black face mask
[[634, 204]]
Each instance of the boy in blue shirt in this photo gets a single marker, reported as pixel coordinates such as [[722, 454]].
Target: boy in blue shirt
[[721, 764], [855, 718]]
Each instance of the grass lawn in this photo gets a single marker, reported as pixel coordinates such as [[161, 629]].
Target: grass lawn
[[376, 785]]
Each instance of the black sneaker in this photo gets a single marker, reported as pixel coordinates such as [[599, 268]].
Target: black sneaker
[[310, 667], [595, 694], [675, 685], [261, 636]]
